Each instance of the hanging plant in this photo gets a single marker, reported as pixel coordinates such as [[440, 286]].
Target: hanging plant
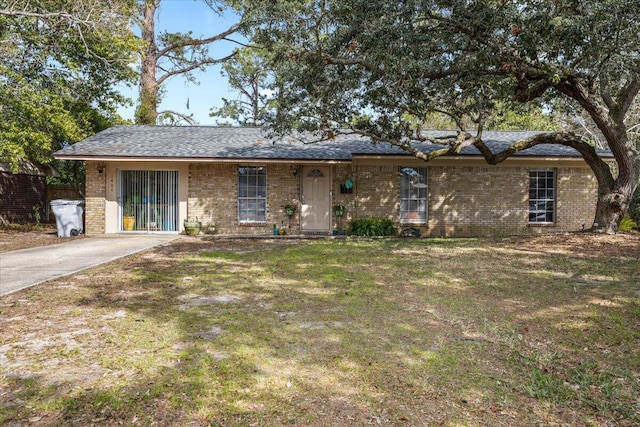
[[347, 186], [348, 183], [338, 210], [290, 209]]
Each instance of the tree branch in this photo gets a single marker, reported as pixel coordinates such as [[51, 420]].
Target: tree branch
[[588, 152], [199, 42], [46, 15], [575, 90], [625, 99], [187, 119], [193, 66]]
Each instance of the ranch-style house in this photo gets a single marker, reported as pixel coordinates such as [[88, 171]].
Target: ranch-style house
[[241, 180]]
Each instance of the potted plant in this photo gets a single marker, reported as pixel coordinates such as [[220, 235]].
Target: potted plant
[[209, 228], [128, 215], [192, 228]]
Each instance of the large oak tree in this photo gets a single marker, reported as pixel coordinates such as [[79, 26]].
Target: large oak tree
[[379, 67]]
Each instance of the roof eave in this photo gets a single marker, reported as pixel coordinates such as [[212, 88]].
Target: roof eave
[[467, 157], [196, 159]]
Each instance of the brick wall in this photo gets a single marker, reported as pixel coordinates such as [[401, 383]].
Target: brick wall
[[478, 200], [213, 190], [464, 200], [19, 193], [377, 191], [340, 173], [95, 192], [577, 196]]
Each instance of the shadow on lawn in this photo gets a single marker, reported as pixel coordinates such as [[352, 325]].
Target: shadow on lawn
[[336, 333]]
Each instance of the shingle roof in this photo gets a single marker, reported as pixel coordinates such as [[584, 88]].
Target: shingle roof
[[228, 143]]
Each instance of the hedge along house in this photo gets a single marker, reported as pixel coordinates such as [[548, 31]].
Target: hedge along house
[[241, 180]]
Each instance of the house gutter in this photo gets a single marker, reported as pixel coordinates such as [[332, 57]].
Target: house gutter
[[463, 158], [198, 159]]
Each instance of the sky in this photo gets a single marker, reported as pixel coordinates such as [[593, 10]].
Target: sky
[[184, 16]]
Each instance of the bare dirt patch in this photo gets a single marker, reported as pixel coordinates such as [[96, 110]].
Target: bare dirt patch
[[44, 235], [584, 244]]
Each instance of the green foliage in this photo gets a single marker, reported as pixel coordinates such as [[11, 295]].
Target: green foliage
[[628, 224], [37, 215], [128, 208], [248, 74], [513, 116], [466, 60], [60, 62], [634, 208], [370, 227]]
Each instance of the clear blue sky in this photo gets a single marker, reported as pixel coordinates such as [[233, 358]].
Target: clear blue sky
[[184, 16]]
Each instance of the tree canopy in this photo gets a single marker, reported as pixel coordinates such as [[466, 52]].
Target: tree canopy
[[382, 68], [60, 62]]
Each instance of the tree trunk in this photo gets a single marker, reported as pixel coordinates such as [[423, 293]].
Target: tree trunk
[[147, 111], [613, 202]]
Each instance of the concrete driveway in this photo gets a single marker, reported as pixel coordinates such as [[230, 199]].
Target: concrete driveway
[[28, 267]]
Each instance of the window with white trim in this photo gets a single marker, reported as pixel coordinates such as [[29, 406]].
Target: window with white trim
[[542, 196], [413, 195], [252, 194]]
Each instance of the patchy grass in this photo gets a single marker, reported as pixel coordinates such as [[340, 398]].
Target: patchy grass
[[538, 331]]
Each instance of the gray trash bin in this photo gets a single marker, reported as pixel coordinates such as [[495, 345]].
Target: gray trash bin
[[68, 216]]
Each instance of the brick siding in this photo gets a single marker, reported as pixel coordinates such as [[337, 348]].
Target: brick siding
[[213, 190], [94, 203], [465, 198]]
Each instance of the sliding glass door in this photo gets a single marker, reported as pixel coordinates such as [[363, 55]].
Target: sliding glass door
[[148, 200]]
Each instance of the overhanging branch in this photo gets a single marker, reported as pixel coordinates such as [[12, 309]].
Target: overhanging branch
[[588, 152]]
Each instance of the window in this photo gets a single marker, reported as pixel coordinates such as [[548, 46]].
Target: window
[[413, 195], [252, 194], [542, 196]]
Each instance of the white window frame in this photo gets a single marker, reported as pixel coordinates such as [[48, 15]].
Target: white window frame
[[252, 195], [542, 196], [414, 195]]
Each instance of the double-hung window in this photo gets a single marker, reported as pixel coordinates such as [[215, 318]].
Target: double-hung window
[[252, 194], [413, 195], [542, 196]]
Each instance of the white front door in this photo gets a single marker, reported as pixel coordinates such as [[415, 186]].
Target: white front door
[[316, 199]]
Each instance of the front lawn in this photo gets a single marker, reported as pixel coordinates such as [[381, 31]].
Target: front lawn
[[355, 332]]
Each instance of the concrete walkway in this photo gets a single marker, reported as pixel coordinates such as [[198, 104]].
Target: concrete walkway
[[28, 267]]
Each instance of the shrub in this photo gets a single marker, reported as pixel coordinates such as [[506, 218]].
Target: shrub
[[372, 227], [634, 207], [628, 224]]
